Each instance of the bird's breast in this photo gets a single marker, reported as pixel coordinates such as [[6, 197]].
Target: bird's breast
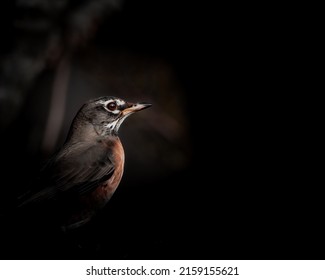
[[118, 160], [104, 192]]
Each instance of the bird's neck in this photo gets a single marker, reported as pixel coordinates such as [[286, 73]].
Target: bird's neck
[[105, 130], [89, 132], [83, 129]]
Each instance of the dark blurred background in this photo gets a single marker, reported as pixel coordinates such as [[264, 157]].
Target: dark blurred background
[[206, 169]]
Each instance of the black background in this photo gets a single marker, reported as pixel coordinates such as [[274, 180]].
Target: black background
[[245, 193]]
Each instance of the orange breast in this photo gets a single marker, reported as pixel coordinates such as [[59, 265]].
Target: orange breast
[[102, 194], [118, 157]]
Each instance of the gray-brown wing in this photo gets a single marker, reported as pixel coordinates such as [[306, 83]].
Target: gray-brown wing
[[76, 171]]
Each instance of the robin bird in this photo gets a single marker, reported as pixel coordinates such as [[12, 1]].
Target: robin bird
[[84, 174]]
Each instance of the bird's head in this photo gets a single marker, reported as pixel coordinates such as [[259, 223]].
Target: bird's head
[[106, 114]]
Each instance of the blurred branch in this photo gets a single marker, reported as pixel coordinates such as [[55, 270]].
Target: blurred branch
[[57, 105]]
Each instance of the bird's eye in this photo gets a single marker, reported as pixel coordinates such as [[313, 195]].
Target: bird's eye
[[111, 106]]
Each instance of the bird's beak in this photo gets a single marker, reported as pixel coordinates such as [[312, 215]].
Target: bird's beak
[[135, 107]]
